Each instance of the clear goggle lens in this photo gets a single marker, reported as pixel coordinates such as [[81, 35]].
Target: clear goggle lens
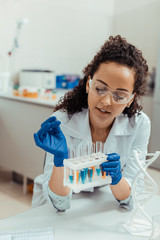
[[102, 90]]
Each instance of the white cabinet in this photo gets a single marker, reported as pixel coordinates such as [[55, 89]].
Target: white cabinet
[[18, 121]]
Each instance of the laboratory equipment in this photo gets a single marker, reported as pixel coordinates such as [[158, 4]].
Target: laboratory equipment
[[143, 189], [79, 162], [29, 92], [155, 228], [99, 148], [20, 23], [15, 91], [4, 81], [67, 81], [15, 45], [38, 78], [79, 171]]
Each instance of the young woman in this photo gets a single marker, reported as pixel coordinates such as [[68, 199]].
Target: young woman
[[105, 107]]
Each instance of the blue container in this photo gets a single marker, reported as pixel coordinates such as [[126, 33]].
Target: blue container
[[67, 81], [61, 82]]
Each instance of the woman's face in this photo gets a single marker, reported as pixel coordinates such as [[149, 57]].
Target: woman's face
[[104, 109]]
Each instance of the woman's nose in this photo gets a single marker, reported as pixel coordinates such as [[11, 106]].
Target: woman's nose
[[107, 99]]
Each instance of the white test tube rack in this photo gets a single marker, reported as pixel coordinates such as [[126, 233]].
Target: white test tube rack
[[75, 165]]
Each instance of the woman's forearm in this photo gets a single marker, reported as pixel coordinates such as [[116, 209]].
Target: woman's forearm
[[122, 190], [56, 182]]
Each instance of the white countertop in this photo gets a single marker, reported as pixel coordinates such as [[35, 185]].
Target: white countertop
[[38, 101], [92, 216]]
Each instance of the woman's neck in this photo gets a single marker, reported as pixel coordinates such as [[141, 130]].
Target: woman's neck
[[100, 134]]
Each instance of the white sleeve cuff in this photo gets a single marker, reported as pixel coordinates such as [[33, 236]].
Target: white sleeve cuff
[[126, 203], [61, 203]]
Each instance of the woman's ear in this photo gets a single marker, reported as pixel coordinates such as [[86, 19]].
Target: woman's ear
[[87, 85]]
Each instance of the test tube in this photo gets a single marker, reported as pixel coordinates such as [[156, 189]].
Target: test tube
[[91, 151], [84, 155], [77, 176], [93, 170], [71, 154], [103, 173], [83, 176], [90, 174], [71, 178], [99, 149], [79, 152]]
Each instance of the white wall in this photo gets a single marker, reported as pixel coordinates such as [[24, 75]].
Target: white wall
[[139, 22], [122, 6], [62, 35]]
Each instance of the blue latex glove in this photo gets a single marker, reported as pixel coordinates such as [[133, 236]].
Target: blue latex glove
[[51, 139], [113, 167]]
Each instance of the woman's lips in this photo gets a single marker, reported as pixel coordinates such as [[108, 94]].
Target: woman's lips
[[101, 110]]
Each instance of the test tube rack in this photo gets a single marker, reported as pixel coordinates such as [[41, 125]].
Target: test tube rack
[[84, 172]]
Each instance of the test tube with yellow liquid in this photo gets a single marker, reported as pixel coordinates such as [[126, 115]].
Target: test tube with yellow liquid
[[82, 168], [91, 151]]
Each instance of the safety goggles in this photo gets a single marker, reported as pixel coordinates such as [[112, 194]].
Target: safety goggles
[[101, 90]]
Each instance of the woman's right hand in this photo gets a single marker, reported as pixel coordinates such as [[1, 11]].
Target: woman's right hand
[[51, 139]]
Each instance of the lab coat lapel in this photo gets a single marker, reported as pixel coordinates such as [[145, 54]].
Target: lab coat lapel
[[78, 126], [122, 126]]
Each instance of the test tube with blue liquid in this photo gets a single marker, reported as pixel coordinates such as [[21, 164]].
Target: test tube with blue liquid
[[91, 150], [83, 176], [83, 172], [71, 154], [99, 149]]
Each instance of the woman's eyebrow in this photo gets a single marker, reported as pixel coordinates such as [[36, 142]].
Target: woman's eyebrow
[[102, 82], [121, 89]]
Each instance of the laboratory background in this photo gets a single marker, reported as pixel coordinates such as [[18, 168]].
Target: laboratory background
[[43, 49]]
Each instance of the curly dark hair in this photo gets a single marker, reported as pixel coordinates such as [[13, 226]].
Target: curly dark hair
[[117, 50]]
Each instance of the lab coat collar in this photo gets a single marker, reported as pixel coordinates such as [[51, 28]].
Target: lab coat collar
[[122, 126], [79, 123]]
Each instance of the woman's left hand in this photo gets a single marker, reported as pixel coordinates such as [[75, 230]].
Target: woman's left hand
[[113, 167]]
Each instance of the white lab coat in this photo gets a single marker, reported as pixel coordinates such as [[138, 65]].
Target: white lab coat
[[126, 135]]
